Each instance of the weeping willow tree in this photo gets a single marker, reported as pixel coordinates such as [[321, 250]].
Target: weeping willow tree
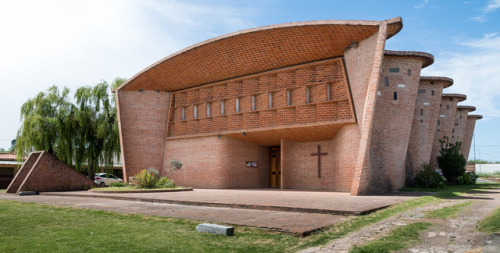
[[84, 135], [96, 137], [47, 124]]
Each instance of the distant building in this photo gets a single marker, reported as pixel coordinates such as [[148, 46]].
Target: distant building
[[8, 166], [317, 105]]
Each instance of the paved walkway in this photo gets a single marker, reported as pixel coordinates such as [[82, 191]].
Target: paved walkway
[[297, 212]]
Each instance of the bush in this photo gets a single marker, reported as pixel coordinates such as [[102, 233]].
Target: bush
[[147, 178], [117, 184], [429, 178], [165, 183], [451, 161], [468, 178]]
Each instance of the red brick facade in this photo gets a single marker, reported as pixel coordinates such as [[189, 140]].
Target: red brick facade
[[323, 101]]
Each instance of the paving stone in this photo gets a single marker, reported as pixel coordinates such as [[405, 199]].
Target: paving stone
[[26, 193]]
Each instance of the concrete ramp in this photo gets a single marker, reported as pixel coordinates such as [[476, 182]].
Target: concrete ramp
[[44, 172]]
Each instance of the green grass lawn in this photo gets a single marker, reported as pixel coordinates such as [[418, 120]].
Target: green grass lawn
[[29, 227], [449, 211], [491, 223]]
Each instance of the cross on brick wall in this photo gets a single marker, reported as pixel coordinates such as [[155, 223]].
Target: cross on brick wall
[[319, 154]]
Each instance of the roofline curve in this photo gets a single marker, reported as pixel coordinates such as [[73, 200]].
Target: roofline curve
[[461, 97], [427, 59], [468, 108], [475, 116], [448, 81], [397, 21]]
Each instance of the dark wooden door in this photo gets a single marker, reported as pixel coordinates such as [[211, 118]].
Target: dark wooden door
[[275, 167]]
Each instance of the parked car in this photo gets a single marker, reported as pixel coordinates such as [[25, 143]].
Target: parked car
[[104, 179]]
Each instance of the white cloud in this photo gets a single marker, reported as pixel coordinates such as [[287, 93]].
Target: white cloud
[[492, 6], [81, 42], [476, 72], [422, 4]]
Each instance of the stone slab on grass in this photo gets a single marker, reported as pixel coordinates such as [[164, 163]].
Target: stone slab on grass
[[215, 229]]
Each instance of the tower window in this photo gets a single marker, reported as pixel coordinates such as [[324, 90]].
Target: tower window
[[237, 105], [183, 113], [386, 81], [253, 102], [395, 95], [209, 109], [422, 90], [421, 111], [288, 98], [409, 72], [328, 97], [195, 111], [308, 95], [432, 92], [270, 99], [394, 70], [222, 109]]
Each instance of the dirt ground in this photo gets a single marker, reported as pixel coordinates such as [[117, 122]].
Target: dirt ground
[[457, 234]]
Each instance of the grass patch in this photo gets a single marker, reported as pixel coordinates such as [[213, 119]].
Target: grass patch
[[3, 190], [358, 222], [419, 189], [132, 188], [29, 227], [491, 223], [398, 239], [449, 211]]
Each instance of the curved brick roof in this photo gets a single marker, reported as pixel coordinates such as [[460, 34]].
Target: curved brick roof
[[447, 81], [460, 97], [475, 116], [466, 108], [255, 50], [427, 59]]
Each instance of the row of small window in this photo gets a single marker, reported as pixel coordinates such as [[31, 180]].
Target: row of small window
[[396, 70], [237, 103]]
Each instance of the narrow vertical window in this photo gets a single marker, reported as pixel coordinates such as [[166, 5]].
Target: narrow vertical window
[[195, 111], [328, 96], [439, 122], [460, 115], [288, 98], [270, 99], [421, 111], [222, 109], [308, 95], [209, 109], [432, 93], [440, 105], [386, 81], [237, 105], [183, 113], [453, 130], [395, 95], [409, 72], [253, 102], [447, 107]]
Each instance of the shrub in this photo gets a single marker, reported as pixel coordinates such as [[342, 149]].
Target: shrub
[[147, 178], [117, 184], [450, 160], [429, 178], [165, 183], [469, 177]]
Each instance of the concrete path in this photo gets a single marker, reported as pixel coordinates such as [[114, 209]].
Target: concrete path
[[290, 211]]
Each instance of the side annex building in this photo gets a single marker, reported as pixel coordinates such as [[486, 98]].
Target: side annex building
[[318, 105]]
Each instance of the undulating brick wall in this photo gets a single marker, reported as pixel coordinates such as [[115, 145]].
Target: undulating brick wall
[[300, 168], [210, 162], [393, 118], [23, 172], [468, 134], [143, 120], [423, 128], [446, 120], [458, 131]]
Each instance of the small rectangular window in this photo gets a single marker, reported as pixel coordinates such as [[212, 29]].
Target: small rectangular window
[[409, 72], [421, 111], [422, 90], [253, 102], [270, 99], [394, 70], [183, 113], [328, 98], [386, 81], [195, 111], [432, 92], [308, 95], [447, 107], [209, 109], [439, 122], [440, 105], [237, 105], [288, 98], [222, 109], [395, 95]]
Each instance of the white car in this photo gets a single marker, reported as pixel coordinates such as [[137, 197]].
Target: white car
[[104, 179]]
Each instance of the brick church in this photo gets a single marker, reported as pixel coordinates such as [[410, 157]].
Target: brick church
[[318, 105]]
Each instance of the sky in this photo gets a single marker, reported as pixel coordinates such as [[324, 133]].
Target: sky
[[76, 43]]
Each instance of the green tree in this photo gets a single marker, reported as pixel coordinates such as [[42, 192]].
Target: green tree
[[96, 136], [47, 124], [85, 134], [450, 160]]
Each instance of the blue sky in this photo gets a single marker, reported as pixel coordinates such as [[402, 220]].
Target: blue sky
[[75, 43]]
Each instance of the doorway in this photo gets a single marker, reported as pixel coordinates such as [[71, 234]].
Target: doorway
[[275, 167]]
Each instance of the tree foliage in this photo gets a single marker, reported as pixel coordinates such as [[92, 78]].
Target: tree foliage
[[84, 134], [450, 160]]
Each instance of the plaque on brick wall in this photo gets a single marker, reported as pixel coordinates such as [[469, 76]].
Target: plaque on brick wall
[[254, 164]]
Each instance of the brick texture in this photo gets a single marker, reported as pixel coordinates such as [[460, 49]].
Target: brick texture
[[469, 133]]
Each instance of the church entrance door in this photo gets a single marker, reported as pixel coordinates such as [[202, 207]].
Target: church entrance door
[[275, 167]]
